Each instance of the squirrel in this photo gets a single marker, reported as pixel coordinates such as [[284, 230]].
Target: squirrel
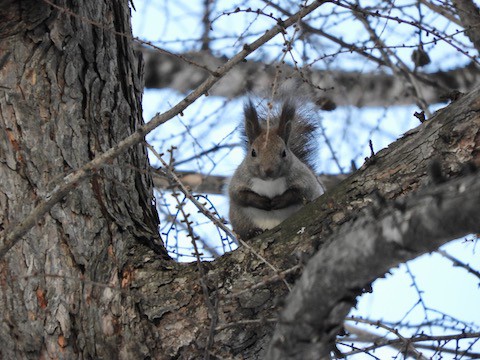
[[276, 177]]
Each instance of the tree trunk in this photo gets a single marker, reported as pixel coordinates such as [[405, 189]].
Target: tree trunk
[[70, 90], [83, 283]]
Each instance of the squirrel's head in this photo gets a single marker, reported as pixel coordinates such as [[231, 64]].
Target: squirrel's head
[[268, 155]]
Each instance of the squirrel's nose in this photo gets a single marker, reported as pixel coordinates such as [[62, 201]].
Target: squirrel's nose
[[269, 172]]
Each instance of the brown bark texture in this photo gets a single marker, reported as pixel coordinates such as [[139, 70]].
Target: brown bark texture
[[85, 282], [69, 91]]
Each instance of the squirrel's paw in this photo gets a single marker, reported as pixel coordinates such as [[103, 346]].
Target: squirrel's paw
[[254, 232]]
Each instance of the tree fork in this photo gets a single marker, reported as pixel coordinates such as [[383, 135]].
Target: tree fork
[[450, 139]]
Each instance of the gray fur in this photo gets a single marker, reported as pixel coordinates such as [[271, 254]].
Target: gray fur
[[275, 179]]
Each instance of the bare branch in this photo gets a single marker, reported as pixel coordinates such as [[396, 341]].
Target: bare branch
[[378, 341], [459, 263], [398, 67], [361, 335], [399, 231], [469, 14], [364, 89], [442, 10], [207, 9], [214, 184]]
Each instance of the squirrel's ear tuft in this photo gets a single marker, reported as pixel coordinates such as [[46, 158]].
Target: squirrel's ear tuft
[[288, 112], [286, 118], [252, 126]]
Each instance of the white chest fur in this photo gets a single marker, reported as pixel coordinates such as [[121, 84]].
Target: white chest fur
[[269, 219], [269, 188]]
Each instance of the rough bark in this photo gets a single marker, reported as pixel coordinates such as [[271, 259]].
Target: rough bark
[[69, 91], [82, 283], [342, 87], [383, 236]]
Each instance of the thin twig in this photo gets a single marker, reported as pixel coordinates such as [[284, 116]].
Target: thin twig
[[274, 278], [381, 341], [458, 263]]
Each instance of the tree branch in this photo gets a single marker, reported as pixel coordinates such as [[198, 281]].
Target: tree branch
[[383, 236], [214, 184], [469, 14], [364, 89], [442, 10]]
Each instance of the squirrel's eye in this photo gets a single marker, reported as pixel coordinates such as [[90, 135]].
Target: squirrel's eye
[[254, 153], [284, 153]]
